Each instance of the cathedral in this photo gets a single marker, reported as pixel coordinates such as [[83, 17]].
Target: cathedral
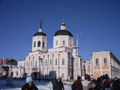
[[63, 60], [60, 61]]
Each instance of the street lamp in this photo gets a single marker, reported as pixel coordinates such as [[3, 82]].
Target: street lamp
[[40, 60]]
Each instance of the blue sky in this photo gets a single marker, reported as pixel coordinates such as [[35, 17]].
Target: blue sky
[[98, 21]]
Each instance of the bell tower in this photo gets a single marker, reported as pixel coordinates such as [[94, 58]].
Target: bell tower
[[39, 41]]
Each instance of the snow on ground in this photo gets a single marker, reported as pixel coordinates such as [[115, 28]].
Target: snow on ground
[[42, 85]]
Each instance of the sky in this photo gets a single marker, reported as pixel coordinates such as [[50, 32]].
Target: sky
[[96, 21]]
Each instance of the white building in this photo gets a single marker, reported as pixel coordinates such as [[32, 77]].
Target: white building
[[61, 60]]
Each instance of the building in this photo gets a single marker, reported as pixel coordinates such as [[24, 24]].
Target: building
[[61, 60], [19, 70], [6, 66], [4, 71], [105, 62], [7, 62], [88, 68]]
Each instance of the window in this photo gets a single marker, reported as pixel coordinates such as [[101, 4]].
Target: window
[[56, 42], [26, 64], [16, 73], [50, 62], [46, 62], [63, 61], [55, 61], [105, 61], [63, 42], [88, 66], [42, 62], [31, 63], [96, 61], [77, 64], [34, 44], [70, 43], [88, 70], [39, 43], [62, 75], [43, 44], [36, 63]]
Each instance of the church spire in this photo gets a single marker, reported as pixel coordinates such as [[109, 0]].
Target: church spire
[[40, 29], [63, 26], [63, 21]]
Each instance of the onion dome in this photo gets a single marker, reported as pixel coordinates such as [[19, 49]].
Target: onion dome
[[63, 30]]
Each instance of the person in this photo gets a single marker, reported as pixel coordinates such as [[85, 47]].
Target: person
[[89, 85], [77, 85], [106, 84], [116, 84], [58, 84], [29, 85], [93, 85], [99, 83], [54, 83]]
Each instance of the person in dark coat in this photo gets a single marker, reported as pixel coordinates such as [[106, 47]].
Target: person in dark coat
[[54, 83], [77, 85], [93, 85], [58, 84], [99, 83], [116, 84], [29, 85]]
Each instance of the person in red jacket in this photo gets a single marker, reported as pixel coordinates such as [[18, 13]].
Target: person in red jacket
[[106, 83]]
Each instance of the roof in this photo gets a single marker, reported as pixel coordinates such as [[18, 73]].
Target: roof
[[39, 34], [63, 32]]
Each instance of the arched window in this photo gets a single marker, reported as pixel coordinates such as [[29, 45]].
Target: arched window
[[76, 64], [46, 63], [50, 62], [35, 44], [42, 62], [62, 75], [39, 43], [55, 61], [27, 64], [63, 61], [105, 61], [97, 62], [88, 70], [88, 66], [31, 63], [43, 44], [36, 64], [16, 73], [63, 42], [56, 42], [70, 43]]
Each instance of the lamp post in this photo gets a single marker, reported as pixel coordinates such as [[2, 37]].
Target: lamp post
[[20, 72], [40, 60]]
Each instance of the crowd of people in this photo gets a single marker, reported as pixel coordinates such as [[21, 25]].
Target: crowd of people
[[57, 84], [104, 83]]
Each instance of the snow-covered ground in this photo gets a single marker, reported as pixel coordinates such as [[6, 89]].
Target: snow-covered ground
[[42, 85]]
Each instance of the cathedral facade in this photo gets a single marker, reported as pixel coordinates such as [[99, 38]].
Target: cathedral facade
[[63, 60], [60, 61]]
